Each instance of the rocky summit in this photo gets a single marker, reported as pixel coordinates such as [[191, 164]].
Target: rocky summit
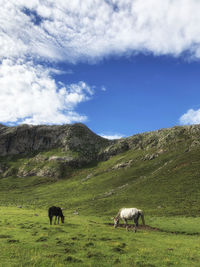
[[25, 139]]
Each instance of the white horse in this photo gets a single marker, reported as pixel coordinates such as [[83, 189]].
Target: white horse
[[129, 214]]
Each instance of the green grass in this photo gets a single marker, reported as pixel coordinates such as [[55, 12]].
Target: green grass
[[167, 188], [167, 185], [29, 240], [178, 225]]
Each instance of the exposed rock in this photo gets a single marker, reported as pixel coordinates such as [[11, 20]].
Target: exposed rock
[[108, 194], [3, 168], [150, 156], [10, 172], [75, 145], [194, 144], [87, 178], [40, 158], [116, 147], [122, 186], [75, 212], [49, 172], [160, 151], [112, 191], [45, 171], [22, 172], [122, 165], [63, 159], [24, 139]]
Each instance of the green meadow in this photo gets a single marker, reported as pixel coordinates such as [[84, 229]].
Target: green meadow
[[27, 239], [166, 188]]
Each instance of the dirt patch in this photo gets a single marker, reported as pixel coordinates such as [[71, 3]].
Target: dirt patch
[[5, 236], [91, 254], [150, 228], [41, 239], [89, 244], [72, 259], [118, 250], [140, 227], [13, 241]]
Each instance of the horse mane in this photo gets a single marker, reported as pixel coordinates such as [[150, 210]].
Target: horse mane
[[118, 214]]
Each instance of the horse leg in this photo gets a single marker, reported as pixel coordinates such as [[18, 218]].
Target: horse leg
[[126, 224], [58, 219], [55, 219], [136, 224], [50, 218]]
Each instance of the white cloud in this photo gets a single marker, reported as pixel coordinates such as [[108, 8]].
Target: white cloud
[[35, 31], [30, 95], [112, 137], [81, 30], [190, 117], [103, 88], [59, 72]]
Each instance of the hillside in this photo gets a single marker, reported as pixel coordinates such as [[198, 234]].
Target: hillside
[[72, 167]]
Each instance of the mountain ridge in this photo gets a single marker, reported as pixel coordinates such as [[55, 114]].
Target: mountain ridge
[[157, 171], [43, 150], [44, 137], [29, 138]]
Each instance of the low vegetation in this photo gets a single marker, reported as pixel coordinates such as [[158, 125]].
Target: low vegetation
[[157, 172], [27, 239]]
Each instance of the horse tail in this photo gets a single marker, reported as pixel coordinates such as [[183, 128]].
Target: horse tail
[[142, 216]]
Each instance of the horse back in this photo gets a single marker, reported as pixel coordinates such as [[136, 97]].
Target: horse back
[[55, 211], [128, 213]]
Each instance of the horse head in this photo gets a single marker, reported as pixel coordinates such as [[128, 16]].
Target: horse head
[[140, 212], [62, 219], [116, 222]]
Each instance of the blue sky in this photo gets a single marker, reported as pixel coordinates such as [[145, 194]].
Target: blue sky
[[142, 93], [114, 65]]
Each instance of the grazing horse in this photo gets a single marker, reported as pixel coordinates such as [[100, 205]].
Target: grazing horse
[[57, 212], [129, 214]]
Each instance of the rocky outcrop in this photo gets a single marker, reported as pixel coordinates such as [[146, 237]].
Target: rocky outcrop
[[25, 139], [122, 165], [51, 151], [160, 141]]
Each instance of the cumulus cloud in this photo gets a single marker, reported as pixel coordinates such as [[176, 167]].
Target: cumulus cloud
[[112, 137], [190, 117], [30, 95], [81, 30], [36, 32]]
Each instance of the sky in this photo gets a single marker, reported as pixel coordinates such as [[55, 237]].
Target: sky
[[119, 66]]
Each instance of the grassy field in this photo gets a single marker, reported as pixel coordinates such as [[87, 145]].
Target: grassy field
[[27, 239], [166, 188], [166, 185]]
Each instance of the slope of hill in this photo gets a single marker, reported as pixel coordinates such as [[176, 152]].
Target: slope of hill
[[156, 171]]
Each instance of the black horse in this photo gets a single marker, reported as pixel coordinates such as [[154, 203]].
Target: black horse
[[57, 212]]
